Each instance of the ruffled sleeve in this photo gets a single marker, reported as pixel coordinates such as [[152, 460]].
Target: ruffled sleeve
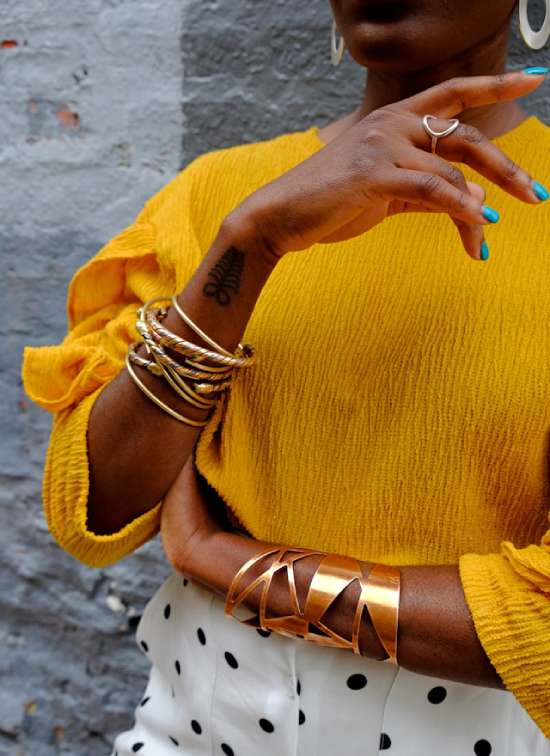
[[508, 595], [67, 378]]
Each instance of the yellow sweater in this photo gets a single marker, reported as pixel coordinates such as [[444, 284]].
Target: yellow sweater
[[399, 408]]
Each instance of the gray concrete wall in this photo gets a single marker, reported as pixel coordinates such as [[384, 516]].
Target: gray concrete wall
[[101, 103]]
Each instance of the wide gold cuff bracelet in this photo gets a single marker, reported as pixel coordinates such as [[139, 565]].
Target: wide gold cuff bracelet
[[379, 594]]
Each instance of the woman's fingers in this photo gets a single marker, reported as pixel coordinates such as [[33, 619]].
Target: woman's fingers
[[472, 238], [469, 145], [451, 97], [432, 190], [471, 235]]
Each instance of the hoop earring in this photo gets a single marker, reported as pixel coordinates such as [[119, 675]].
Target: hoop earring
[[337, 50], [534, 39]]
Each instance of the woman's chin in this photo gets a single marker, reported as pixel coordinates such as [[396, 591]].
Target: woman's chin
[[389, 44]]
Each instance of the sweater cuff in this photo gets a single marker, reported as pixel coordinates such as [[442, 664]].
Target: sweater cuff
[[512, 620], [65, 494]]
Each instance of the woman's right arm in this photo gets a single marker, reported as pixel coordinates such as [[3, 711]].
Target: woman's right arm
[[136, 450]]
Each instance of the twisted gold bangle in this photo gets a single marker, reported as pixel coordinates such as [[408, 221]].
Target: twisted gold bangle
[[183, 315], [188, 348], [159, 352], [154, 367], [159, 402]]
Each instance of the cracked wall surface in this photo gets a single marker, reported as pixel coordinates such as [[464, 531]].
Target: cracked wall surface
[[101, 104]]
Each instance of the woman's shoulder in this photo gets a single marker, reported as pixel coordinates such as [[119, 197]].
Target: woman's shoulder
[[223, 177]]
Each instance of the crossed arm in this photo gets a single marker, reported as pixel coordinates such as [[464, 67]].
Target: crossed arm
[[436, 635]]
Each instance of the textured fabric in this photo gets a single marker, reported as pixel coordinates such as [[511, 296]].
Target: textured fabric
[[399, 407], [217, 687]]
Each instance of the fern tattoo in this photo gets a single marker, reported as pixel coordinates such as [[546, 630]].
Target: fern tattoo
[[227, 276]]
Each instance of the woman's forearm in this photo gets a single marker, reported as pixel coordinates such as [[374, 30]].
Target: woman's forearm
[[135, 448], [436, 634]]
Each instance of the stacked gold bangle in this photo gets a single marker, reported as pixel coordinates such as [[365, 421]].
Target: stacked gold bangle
[[201, 385], [379, 594]]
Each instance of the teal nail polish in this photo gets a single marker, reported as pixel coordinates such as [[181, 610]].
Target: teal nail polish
[[536, 70], [484, 250], [540, 190], [489, 214]]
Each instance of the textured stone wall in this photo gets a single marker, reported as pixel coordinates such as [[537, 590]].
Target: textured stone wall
[[101, 103]]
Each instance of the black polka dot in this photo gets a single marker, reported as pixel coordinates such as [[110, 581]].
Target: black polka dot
[[263, 633], [298, 687], [174, 741], [185, 581], [144, 646], [144, 700], [177, 665], [230, 659], [227, 750], [482, 748], [301, 717], [133, 621], [437, 694], [167, 611], [356, 682], [196, 726], [137, 747], [385, 742], [266, 725], [173, 693], [201, 636]]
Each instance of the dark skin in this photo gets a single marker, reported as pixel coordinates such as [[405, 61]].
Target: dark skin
[[437, 636], [466, 38]]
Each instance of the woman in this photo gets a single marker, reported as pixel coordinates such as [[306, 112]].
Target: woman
[[392, 410]]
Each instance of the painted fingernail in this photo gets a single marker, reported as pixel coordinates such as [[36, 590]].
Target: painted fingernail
[[489, 214], [484, 253], [536, 70], [540, 190]]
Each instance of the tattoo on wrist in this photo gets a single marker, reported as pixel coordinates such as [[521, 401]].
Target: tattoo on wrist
[[227, 276]]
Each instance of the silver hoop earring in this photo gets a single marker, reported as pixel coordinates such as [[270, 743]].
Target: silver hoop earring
[[337, 50], [534, 39]]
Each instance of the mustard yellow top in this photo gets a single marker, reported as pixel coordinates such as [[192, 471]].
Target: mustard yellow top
[[399, 408]]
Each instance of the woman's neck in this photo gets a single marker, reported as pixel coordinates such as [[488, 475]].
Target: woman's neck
[[488, 57]]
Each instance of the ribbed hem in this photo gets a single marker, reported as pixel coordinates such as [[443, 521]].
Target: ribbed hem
[[65, 493], [512, 620]]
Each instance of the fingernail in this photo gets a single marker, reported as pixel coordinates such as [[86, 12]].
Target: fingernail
[[489, 214], [484, 250], [536, 70], [540, 190]]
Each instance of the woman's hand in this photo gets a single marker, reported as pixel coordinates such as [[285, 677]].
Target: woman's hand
[[186, 522], [383, 165]]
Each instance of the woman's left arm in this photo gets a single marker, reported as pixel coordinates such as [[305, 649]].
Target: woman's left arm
[[436, 636]]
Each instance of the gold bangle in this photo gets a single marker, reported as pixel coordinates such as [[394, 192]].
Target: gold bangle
[[165, 358], [159, 355], [188, 348], [157, 401], [379, 593], [183, 315], [157, 369], [184, 390]]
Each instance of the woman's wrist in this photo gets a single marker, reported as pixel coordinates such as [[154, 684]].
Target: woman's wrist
[[221, 555]]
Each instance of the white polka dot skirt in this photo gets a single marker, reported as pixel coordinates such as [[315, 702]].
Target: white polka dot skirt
[[219, 687]]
